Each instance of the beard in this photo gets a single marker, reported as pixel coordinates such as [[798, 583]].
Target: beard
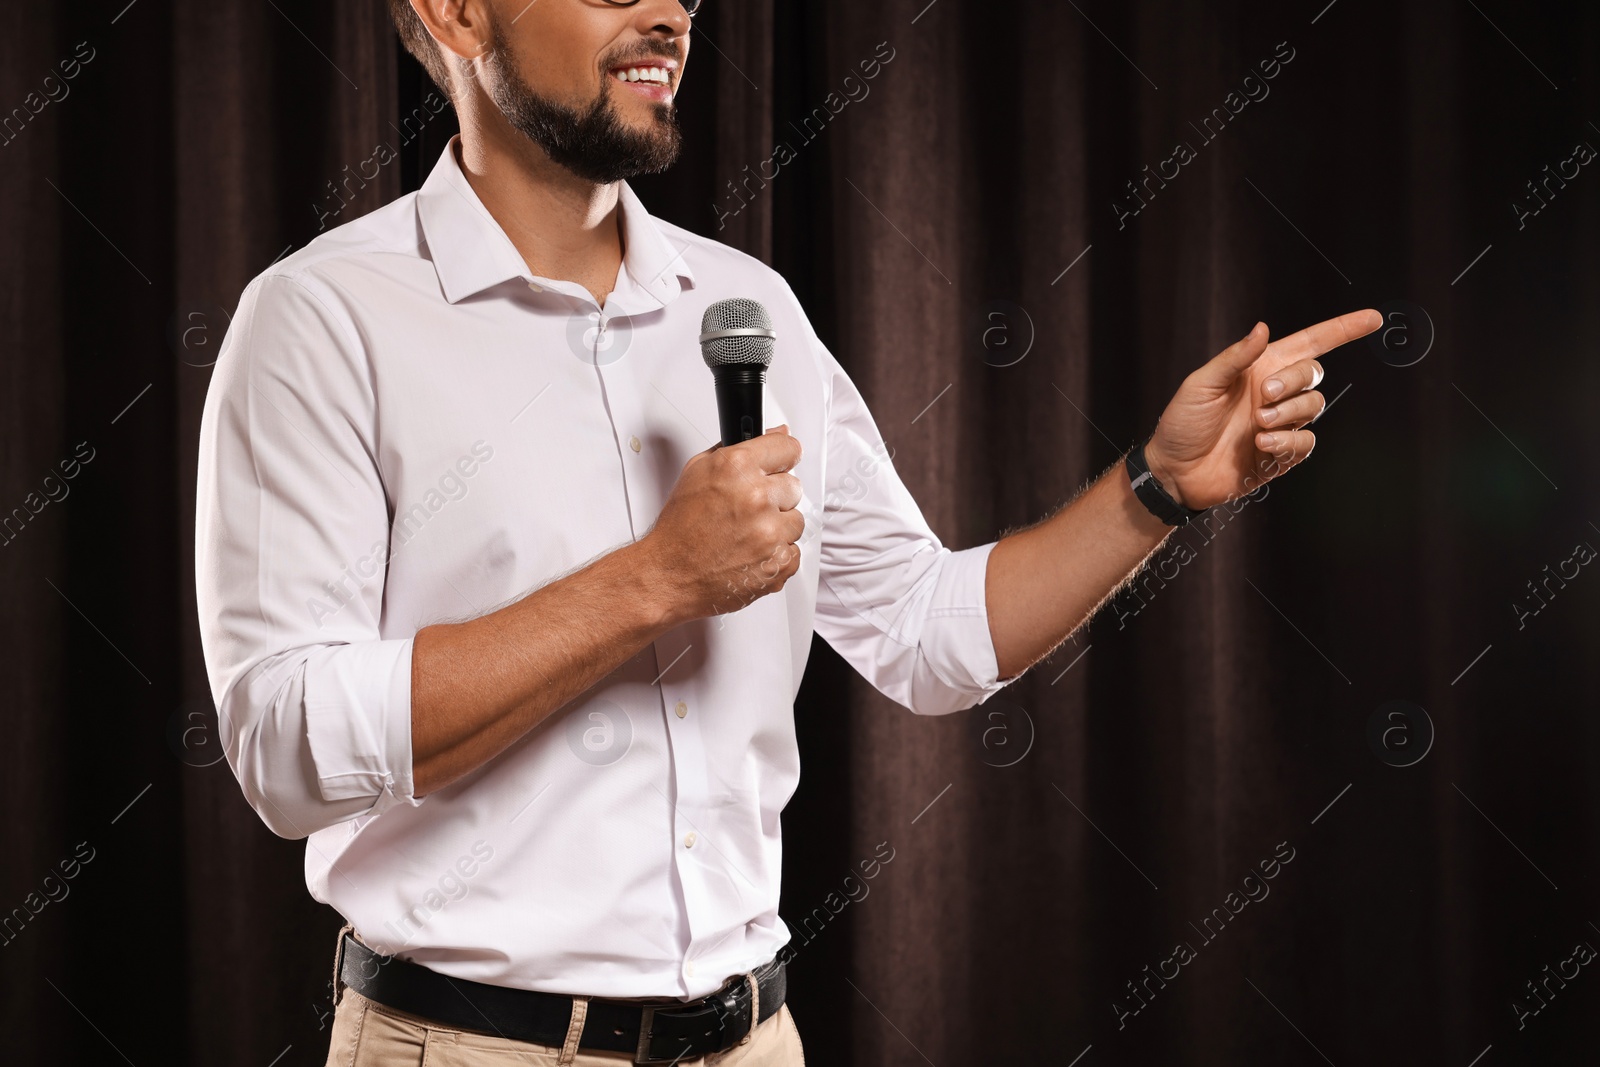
[[595, 144]]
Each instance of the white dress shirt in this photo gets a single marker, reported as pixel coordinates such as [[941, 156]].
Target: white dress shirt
[[406, 427]]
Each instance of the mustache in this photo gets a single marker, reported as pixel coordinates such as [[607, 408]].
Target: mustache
[[652, 49]]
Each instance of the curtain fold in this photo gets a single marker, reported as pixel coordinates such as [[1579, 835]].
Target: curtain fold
[[30, 527]]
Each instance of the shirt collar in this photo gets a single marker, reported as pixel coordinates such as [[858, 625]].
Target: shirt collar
[[471, 252]]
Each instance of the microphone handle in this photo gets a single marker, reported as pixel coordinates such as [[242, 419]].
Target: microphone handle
[[739, 401]]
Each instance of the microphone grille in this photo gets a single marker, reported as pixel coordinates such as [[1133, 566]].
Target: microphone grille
[[737, 331]]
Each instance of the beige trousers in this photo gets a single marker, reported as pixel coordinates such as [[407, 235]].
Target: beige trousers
[[369, 1034]]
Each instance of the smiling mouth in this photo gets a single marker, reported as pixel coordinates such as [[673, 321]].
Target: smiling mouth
[[650, 79], [650, 74]]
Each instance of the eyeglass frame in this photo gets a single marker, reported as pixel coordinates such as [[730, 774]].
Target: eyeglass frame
[[691, 11]]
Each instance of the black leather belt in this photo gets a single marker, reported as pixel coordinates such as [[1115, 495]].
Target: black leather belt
[[667, 1031]]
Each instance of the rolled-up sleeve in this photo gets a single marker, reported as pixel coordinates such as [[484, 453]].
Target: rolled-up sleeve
[[291, 546], [907, 612]]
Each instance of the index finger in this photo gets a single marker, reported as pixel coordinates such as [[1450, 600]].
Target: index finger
[[776, 451], [1313, 341]]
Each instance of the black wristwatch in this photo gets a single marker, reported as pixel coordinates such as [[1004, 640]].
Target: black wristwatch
[[1152, 495]]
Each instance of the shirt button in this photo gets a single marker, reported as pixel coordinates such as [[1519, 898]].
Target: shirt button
[[633, 443], [682, 709], [688, 968], [689, 839], [536, 287]]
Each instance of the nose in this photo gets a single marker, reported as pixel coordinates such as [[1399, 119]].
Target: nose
[[665, 18]]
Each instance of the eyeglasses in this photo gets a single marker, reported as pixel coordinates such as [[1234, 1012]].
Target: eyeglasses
[[689, 6]]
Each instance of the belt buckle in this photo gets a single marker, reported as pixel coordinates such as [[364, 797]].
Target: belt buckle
[[723, 1002], [641, 1054]]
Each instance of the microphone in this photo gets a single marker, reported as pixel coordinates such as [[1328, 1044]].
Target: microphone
[[736, 339]]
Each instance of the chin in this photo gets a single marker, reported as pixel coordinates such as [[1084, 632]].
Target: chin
[[645, 115]]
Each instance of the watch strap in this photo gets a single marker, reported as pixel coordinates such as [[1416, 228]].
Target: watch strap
[[1151, 494]]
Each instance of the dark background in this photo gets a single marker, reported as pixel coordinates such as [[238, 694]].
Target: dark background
[[1154, 760]]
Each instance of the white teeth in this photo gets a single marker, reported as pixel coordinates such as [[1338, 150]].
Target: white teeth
[[656, 75]]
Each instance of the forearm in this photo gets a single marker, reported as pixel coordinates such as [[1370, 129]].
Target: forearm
[[1043, 582], [478, 686]]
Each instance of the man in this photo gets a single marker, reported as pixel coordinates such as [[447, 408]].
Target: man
[[491, 626]]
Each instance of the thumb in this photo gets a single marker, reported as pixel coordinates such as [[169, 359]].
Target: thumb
[[1236, 358], [784, 427]]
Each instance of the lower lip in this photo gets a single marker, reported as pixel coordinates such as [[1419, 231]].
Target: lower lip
[[661, 94]]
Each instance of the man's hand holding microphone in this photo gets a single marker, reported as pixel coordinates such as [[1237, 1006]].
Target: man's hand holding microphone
[[728, 533]]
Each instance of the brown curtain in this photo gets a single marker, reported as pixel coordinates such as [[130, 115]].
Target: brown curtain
[[989, 233]]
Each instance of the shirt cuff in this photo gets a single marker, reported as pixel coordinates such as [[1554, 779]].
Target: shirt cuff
[[956, 643], [358, 721]]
